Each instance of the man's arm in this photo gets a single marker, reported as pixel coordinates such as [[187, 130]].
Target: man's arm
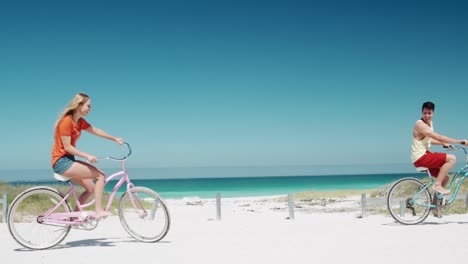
[[437, 139]]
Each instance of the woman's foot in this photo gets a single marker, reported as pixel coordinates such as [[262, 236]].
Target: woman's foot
[[102, 214], [440, 189]]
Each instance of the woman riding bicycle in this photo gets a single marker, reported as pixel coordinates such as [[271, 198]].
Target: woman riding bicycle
[[67, 132]]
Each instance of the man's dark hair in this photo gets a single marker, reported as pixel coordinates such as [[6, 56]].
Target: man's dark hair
[[428, 105]]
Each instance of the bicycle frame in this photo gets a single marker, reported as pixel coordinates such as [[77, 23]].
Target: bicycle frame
[[60, 218], [137, 208], [64, 218], [462, 174]]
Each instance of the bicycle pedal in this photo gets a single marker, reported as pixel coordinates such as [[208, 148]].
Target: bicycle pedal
[[87, 215], [83, 216], [88, 224], [437, 214], [443, 201]]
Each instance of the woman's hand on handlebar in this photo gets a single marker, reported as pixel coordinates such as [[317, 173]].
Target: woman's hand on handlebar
[[91, 158]]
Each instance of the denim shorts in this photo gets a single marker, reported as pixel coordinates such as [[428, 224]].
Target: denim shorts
[[64, 163]]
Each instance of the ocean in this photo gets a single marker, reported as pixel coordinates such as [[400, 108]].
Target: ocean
[[265, 186], [230, 187]]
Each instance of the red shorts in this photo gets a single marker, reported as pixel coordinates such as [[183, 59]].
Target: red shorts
[[432, 161]]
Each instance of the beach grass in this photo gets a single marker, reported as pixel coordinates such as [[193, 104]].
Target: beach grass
[[379, 208], [317, 195], [309, 197], [314, 195], [15, 190]]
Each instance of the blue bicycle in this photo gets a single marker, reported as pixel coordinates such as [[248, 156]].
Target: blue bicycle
[[409, 200]]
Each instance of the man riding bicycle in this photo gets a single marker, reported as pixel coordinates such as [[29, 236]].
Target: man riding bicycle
[[438, 164]]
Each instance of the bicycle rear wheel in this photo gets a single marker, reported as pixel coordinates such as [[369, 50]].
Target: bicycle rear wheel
[[144, 215], [24, 218], [409, 201]]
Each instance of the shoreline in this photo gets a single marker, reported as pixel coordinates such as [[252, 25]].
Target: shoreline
[[302, 187], [324, 201]]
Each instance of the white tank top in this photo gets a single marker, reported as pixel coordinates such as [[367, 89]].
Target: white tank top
[[419, 147]]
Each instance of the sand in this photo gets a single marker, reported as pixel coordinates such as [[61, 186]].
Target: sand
[[257, 230]]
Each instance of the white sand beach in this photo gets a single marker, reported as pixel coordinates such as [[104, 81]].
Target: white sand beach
[[256, 230]]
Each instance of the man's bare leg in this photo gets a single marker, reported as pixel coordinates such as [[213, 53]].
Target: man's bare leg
[[435, 210], [443, 174]]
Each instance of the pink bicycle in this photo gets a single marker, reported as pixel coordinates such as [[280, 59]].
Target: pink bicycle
[[41, 217]]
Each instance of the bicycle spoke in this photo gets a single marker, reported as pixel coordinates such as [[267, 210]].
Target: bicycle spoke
[[144, 215], [23, 218], [409, 201]]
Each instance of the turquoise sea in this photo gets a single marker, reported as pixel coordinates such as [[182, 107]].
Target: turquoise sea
[[255, 186], [264, 186]]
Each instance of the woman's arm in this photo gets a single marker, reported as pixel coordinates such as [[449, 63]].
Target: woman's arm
[[70, 149], [101, 133]]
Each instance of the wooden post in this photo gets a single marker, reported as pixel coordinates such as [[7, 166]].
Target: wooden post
[[154, 208], [363, 205], [402, 208], [218, 206], [291, 206], [5, 207], [466, 200]]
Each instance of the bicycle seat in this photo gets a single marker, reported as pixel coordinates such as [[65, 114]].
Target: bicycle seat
[[422, 169], [60, 177]]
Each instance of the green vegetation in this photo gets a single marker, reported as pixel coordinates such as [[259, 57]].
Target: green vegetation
[[310, 197], [319, 195], [326, 197], [14, 190]]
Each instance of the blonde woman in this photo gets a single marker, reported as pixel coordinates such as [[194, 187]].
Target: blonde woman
[[67, 132]]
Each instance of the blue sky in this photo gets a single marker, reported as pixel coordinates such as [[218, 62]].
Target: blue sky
[[290, 84]]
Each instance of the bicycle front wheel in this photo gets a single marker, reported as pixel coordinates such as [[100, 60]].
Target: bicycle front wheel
[[144, 215], [25, 218], [409, 201]]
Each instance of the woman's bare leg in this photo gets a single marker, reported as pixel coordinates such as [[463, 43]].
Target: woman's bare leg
[[80, 171], [88, 186]]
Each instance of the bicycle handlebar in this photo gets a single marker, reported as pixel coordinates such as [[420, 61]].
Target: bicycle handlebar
[[119, 159], [453, 148], [457, 147]]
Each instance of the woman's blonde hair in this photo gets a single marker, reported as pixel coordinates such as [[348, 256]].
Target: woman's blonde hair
[[78, 100]]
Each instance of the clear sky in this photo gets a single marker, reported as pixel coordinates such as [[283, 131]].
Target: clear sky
[[234, 83]]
